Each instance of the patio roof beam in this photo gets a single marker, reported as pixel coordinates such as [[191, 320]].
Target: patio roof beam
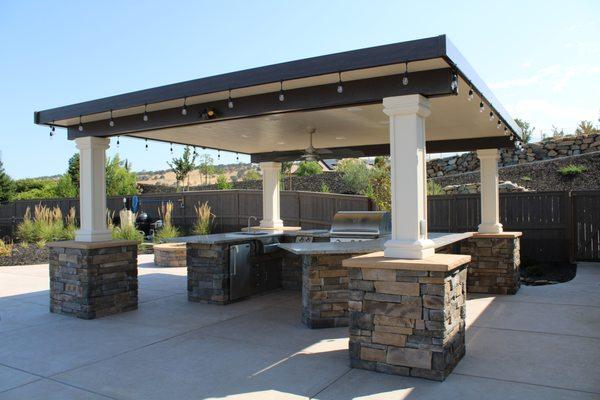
[[436, 146], [429, 83]]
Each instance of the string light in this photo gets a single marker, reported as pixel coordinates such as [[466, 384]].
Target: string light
[[229, 100], [481, 107], [454, 83], [470, 98], [237, 157], [491, 116], [340, 88], [184, 109], [281, 95], [498, 125], [195, 153], [145, 116], [405, 77], [171, 149], [80, 127], [52, 129], [146, 144], [111, 123], [219, 154], [505, 130], [118, 140]]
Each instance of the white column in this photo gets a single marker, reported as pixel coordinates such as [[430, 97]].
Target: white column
[[490, 209], [92, 189], [409, 188], [271, 200]]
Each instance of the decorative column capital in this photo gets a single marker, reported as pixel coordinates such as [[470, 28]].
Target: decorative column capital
[[92, 142], [406, 105], [488, 154], [270, 165]]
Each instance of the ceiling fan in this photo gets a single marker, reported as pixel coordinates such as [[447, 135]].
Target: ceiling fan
[[313, 154]]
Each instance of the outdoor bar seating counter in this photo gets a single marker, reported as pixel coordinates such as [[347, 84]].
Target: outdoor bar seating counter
[[403, 295]]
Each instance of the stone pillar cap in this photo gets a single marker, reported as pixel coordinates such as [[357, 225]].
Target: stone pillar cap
[[436, 262]]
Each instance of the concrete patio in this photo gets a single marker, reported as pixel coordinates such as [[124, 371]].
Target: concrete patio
[[543, 343]]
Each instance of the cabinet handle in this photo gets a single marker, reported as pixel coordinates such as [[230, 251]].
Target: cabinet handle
[[235, 251]]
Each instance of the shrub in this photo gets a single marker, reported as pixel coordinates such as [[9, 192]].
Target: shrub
[[572, 170], [46, 225], [70, 224], [222, 183], [324, 188], [526, 178], [434, 188], [309, 168], [5, 248], [26, 229], [204, 220], [167, 231], [126, 229], [252, 175], [355, 175]]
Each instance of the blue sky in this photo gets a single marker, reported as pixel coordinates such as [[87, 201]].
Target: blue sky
[[541, 58]]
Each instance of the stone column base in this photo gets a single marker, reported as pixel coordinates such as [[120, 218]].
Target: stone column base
[[93, 279], [407, 317], [208, 273], [495, 262], [324, 291]]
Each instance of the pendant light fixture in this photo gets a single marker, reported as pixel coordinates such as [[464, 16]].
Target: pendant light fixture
[[237, 157], [195, 153], [405, 76], [229, 100], [145, 116], [111, 122], [498, 125], [219, 154], [281, 95], [80, 127], [340, 87], [184, 108]]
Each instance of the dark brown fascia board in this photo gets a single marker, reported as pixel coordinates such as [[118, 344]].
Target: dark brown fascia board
[[435, 146], [397, 53], [429, 83]]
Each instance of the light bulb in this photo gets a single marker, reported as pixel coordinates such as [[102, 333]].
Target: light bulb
[[498, 125], [491, 116], [405, 80], [80, 127], [281, 96], [340, 89], [145, 117], [481, 107], [111, 123], [230, 103], [470, 98], [184, 110]]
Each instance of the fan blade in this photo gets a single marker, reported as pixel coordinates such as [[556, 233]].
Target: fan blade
[[323, 151]]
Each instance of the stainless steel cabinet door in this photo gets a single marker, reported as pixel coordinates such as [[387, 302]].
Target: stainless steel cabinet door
[[240, 272]]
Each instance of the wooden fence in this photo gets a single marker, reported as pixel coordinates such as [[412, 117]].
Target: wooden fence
[[231, 207], [556, 226]]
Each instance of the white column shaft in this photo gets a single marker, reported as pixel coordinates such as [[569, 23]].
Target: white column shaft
[[409, 183], [92, 189], [271, 198], [490, 201]]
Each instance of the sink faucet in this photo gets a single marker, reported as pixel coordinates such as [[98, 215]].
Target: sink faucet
[[249, 218]]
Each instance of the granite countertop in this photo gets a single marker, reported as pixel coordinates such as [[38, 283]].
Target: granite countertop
[[235, 237], [440, 239]]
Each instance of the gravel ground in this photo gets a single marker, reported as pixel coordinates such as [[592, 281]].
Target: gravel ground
[[28, 255]]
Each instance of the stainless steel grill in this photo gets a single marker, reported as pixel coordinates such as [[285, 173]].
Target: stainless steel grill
[[357, 226]]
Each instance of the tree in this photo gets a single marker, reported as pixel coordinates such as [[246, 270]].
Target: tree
[[309, 168], [222, 183], [7, 186], [557, 133], [119, 181], [586, 128], [182, 166], [252, 175], [73, 170], [65, 187], [286, 169], [526, 130], [206, 167]]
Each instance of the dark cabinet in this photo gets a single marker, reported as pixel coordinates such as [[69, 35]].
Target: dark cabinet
[[253, 268]]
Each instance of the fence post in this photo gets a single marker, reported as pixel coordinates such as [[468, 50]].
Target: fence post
[[571, 228]]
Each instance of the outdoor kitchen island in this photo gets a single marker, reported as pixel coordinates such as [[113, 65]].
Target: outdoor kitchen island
[[278, 259]]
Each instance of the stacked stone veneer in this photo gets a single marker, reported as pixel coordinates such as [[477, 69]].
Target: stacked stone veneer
[[495, 262], [93, 280], [324, 291], [208, 273], [545, 150], [407, 322], [170, 255]]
